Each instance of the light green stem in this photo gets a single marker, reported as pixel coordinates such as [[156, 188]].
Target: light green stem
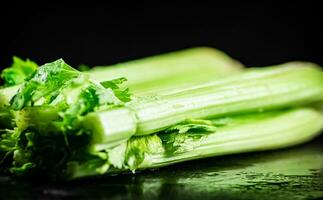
[[287, 129], [162, 73], [253, 90], [244, 133]]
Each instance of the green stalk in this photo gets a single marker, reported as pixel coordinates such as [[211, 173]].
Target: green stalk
[[254, 90], [262, 91], [286, 129], [244, 133], [161, 73]]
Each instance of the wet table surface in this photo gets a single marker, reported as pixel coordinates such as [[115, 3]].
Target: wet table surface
[[294, 173]]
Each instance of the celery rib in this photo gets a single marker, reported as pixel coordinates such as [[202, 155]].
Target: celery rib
[[287, 129], [296, 86]]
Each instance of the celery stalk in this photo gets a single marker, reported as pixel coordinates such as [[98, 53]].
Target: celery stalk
[[161, 73], [286, 129], [246, 133]]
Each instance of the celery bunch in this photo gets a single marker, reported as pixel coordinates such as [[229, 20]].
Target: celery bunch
[[73, 124]]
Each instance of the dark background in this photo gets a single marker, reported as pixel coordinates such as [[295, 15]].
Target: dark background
[[256, 34]]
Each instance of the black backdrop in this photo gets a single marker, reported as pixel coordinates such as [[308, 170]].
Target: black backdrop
[[256, 34]]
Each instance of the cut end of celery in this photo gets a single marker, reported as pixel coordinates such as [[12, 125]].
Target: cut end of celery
[[113, 126]]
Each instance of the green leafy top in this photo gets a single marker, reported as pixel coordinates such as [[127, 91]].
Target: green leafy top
[[57, 81], [124, 95], [45, 85], [49, 105], [186, 135], [7, 141], [139, 147], [126, 156], [18, 71]]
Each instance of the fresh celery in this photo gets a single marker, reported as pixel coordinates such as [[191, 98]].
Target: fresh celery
[[254, 90], [87, 127]]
